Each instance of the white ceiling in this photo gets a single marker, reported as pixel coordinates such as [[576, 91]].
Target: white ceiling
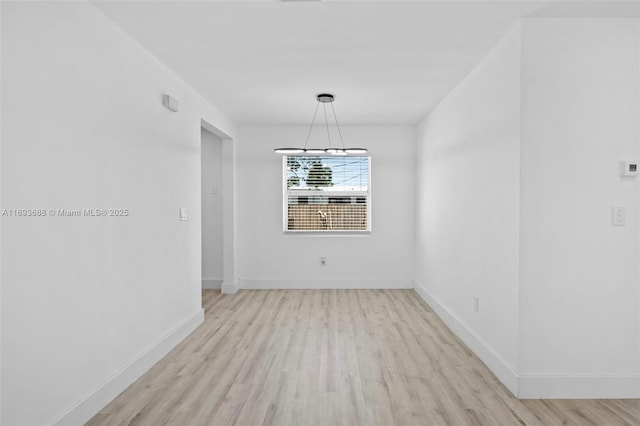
[[388, 62]]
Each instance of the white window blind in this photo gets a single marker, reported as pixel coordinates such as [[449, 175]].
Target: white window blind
[[326, 193]]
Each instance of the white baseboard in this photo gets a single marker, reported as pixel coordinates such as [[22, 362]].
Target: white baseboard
[[329, 283], [498, 366], [538, 386], [211, 283], [229, 287], [96, 400], [533, 386]]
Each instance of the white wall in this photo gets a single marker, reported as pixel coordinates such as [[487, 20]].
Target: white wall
[[1, 207], [270, 258], [467, 197], [88, 301], [579, 278], [211, 161], [518, 169]]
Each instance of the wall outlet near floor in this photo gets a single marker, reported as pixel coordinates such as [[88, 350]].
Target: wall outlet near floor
[[323, 260], [476, 304], [618, 215]]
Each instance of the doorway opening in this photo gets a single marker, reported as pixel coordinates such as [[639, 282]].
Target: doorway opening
[[212, 210]]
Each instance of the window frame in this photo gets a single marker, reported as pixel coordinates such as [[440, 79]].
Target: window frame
[[325, 232]]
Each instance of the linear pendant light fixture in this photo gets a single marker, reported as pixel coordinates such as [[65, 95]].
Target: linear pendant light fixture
[[324, 99]]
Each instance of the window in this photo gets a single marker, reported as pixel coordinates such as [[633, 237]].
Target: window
[[326, 194]]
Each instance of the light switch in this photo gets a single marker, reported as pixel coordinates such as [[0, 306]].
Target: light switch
[[183, 213], [619, 216], [214, 190]]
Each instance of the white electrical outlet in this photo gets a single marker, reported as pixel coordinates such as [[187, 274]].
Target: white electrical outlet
[[183, 213], [618, 216], [323, 260]]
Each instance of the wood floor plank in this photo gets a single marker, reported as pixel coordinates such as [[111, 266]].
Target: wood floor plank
[[334, 357]]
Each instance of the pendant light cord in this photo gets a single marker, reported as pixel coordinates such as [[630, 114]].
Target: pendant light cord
[[313, 120], [337, 125], [326, 122], [323, 98]]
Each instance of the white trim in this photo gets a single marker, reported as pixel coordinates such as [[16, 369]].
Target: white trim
[[326, 283], [229, 287], [97, 399], [211, 283], [532, 385], [498, 366], [323, 193], [327, 233], [229, 222], [579, 387]]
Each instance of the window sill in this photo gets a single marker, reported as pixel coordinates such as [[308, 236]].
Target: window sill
[[327, 233]]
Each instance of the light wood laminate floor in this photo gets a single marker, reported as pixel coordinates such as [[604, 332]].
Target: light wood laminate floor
[[334, 357]]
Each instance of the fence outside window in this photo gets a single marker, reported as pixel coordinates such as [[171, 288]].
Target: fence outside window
[[326, 194]]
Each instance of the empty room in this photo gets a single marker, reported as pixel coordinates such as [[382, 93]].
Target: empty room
[[319, 212]]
